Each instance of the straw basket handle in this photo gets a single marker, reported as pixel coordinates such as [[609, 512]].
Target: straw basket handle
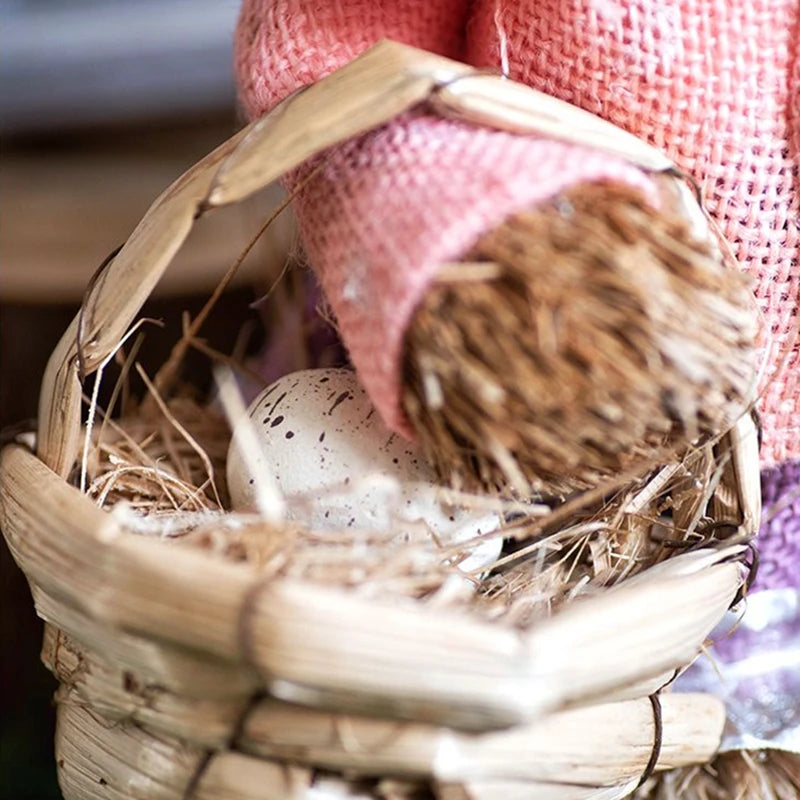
[[286, 635], [387, 80]]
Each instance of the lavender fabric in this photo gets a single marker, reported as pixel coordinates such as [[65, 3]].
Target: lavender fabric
[[778, 546], [755, 664], [779, 538]]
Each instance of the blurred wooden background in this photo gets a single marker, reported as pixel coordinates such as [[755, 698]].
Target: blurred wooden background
[[104, 105]]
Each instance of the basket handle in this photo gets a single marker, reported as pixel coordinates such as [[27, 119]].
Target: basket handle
[[387, 80]]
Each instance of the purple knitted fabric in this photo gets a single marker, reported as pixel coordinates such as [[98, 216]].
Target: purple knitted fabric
[[779, 539]]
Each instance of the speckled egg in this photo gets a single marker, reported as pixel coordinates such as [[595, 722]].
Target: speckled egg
[[320, 440]]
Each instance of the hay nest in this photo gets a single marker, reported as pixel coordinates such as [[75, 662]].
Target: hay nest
[[743, 775], [207, 730], [162, 471]]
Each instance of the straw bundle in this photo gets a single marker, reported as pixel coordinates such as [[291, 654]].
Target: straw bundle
[[592, 335], [205, 654]]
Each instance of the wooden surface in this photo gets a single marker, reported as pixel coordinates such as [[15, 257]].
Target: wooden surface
[[68, 202]]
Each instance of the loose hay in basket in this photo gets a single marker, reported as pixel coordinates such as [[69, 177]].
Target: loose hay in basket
[[210, 655]]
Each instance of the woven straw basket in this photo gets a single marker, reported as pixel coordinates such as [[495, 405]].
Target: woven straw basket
[[193, 671]]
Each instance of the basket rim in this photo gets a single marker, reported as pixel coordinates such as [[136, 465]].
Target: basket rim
[[327, 647]]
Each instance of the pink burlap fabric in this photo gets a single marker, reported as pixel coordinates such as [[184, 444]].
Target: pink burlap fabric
[[716, 83]]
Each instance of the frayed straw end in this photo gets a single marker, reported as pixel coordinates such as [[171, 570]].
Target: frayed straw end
[[604, 337]]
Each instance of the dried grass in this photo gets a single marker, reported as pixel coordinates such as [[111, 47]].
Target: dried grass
[[739, 775], [161, 470], [609, 340], [155, 465]]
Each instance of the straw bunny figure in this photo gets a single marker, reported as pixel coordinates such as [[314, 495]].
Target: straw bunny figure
[[714, 83], [710, 84]]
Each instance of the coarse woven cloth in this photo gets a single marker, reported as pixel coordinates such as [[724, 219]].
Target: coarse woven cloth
[[714, 83]]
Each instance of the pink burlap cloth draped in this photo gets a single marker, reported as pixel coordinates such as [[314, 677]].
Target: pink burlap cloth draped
[[715, 83]]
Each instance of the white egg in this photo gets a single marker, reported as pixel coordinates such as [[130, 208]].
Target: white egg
[[320, 440]]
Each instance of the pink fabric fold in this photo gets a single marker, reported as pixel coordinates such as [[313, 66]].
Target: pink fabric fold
[[390, 207], [716, 85]]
